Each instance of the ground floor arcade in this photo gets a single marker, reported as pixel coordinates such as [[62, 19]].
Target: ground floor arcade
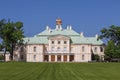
[[55, 57], [58, 58]]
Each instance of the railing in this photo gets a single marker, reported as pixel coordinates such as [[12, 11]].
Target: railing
[[48, 52]]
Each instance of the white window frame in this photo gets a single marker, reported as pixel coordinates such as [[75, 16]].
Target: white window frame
[[83, 48], [83, 57], [35, 49]]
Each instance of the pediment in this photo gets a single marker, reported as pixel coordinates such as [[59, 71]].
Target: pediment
[[59, 37]]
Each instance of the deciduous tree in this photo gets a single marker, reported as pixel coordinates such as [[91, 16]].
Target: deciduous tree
[[11, 34], [112, 35]]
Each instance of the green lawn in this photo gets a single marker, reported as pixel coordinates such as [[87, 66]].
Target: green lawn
[[59, 71]]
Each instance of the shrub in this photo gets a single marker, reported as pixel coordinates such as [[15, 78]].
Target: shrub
[[95, 57], [1, 57]]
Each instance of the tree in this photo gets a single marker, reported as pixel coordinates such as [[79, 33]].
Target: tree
[[1, 47], [116, 55], [109, 50], [1, 27], [11, 34], [112, 35], [95, 57]]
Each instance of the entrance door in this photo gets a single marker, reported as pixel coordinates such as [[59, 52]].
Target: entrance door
[[46, 58], [65, 58], [59, 58], [52, 57], [71, 57]]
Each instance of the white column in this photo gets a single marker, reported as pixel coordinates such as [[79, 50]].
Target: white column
[[61, 58], [49, 58], [68, 58], [55, 58]]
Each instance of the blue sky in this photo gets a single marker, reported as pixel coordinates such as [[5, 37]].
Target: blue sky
[[88, 16]]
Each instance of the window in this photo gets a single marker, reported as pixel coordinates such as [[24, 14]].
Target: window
[[65, 42], [83, 57], [21, 49], [95, 49], [46, 49], [58, 49], [52, 42], [16, 48], [83, 48], [34, 57], [101, 49], [58, 42], [65, 49], [52, 49], [21, 57], [35, 49]]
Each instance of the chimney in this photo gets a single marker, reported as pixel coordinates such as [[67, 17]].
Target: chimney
[[56, 27], [70, 27], [47, 28], [96, 36], [81, 34]]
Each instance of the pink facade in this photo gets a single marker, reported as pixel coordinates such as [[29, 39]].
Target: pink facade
[[59, 45]]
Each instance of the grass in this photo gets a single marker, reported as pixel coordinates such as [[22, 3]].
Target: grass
[[59, 71]]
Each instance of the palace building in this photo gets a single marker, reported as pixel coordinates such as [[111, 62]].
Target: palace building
[[59, 45]]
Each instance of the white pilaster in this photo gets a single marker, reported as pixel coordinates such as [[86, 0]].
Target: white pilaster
[[68, 58], [49, 58], [55, 58], [61, 58]]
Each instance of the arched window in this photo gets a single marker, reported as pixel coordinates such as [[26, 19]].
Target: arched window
[[34, 48]]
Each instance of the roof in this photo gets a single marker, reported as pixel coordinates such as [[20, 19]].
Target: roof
[[95, 41], [56, 32], [76, 38], [35, 40]]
